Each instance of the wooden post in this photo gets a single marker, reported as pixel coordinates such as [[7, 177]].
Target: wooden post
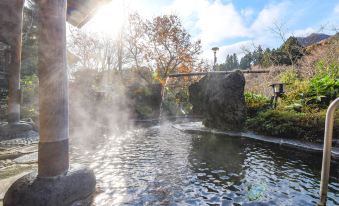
[[13, 35], [72, 186], [53, 155]]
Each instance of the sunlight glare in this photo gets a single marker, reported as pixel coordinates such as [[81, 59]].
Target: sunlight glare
[[109, 20]]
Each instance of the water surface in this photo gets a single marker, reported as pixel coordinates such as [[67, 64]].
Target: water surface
[[161, 165]]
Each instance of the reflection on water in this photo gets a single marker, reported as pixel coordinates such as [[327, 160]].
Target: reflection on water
[[164, 166]]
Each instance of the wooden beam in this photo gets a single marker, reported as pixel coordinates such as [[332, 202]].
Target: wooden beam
[[216, 72]]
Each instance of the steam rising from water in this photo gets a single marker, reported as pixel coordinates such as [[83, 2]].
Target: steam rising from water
[[97, 111]]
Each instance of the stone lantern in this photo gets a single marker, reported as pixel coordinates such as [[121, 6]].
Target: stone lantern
[[278, 90]]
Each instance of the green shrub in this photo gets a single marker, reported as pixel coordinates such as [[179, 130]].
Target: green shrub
[[294, 98], [144, 111], [289, 76], [324, 86], [256, 103], [295, 90], [309, 95], [30, 98], [29, 112], [289, 124], [3, 111]]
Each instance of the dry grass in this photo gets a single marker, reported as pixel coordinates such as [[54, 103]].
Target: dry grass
[[327, 51], [260, 83]]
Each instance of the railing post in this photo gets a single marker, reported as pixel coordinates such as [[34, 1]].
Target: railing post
[[325, 171]]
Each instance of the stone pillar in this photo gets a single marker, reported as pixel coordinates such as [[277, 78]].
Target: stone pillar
[[53, 88], [13, 25]]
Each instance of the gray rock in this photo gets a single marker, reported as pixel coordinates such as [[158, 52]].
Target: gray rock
[[27, 159], [17, 131], [34, 125], [145, 100], [74, 188], [25, 138], [220, 99], [196, 97]]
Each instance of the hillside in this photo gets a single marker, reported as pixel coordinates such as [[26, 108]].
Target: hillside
[[312, 39], [326, 51]]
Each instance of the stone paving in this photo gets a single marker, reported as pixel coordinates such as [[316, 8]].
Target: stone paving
[[18, 157], [31, 137]]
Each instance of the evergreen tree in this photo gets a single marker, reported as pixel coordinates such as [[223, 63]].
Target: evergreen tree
[[292, 49], [266, 60], [235, 63], [258, 56], [245, 62], [229, 62]]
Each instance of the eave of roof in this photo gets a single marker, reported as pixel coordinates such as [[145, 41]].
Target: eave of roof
[[79, 12]]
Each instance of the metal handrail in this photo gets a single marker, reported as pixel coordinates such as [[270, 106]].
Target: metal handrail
[[325, 170]]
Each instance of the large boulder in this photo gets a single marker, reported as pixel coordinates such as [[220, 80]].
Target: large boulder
[[220, 99], [145, 100], [196, 97]]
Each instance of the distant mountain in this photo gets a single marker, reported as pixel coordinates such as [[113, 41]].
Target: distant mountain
[[312, 39]]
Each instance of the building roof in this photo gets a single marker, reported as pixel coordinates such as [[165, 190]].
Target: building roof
[[79, 12]]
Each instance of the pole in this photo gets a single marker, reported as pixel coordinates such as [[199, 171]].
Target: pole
[[215, 49], [53, 158], [215, 60]]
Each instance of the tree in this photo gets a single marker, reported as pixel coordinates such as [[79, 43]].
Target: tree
[[135, 43], [258, 56], [245, 62], [170, 46], [235, 63], [290, 51], [95, 52], [29, 58], [134, 38], [293, 49], [231, 63], [266, 60], [150, 48]]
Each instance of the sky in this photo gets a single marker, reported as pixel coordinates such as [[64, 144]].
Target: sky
[[231, 25]]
